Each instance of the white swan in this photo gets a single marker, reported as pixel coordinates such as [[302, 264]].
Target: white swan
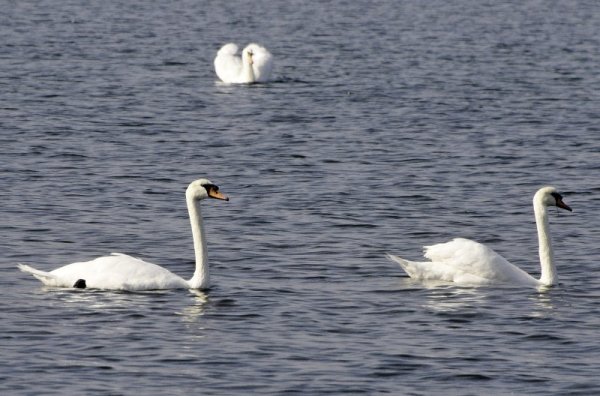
[[467, 262], [123, 272], [255, 64]]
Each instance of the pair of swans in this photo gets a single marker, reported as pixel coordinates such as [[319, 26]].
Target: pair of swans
[[461, 261], [254, 66]]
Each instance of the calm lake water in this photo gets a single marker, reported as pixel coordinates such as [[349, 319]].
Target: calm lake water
[[390, 125]]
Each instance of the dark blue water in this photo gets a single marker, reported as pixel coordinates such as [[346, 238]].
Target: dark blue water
[[390, 125]]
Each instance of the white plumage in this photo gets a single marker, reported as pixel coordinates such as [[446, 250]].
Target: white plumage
[[253, 66], [123, 272], [115, 272], [466, 262]]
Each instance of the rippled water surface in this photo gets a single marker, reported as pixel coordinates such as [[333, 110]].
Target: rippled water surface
[[390, 125]]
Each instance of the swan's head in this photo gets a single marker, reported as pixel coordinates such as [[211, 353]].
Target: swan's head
[[548, 196], [247, 55], [203, 188]]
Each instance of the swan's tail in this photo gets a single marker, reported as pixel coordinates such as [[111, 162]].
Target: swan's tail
[[403, 263], [45, 277], [410, 267]]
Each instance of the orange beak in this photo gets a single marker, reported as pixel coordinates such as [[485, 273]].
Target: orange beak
[[214, 193]]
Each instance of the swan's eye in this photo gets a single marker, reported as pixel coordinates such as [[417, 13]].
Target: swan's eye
[[556, 196]]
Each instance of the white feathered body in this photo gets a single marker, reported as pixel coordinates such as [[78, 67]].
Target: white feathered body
[[123, 272], [229, 65], [466, 262], [114, 272]]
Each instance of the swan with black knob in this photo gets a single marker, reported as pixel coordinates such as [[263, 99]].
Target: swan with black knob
[[466, 262], [122, 272], [253, 66]]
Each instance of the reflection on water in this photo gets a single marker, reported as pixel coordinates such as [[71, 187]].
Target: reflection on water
[[189, 305], [450, 298], [108, 299], [197, 306], [543, 304]]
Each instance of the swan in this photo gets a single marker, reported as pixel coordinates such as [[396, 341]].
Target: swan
[[253, 66], [466, 262], [122, 272]]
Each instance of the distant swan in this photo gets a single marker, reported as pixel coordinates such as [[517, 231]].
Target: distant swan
[[467, 262], [123, 272], [255, 64]]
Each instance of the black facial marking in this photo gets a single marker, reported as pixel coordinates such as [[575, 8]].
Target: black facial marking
[[559, 202], [209, 187], [80, 284]]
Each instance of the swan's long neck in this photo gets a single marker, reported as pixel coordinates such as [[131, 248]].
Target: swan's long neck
[[201, 278], [549, 276], [247, 70]]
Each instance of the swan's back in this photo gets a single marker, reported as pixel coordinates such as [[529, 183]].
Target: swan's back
[[464, 261], [228, 49], [473, 258], [228, 65], [114, 272]]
